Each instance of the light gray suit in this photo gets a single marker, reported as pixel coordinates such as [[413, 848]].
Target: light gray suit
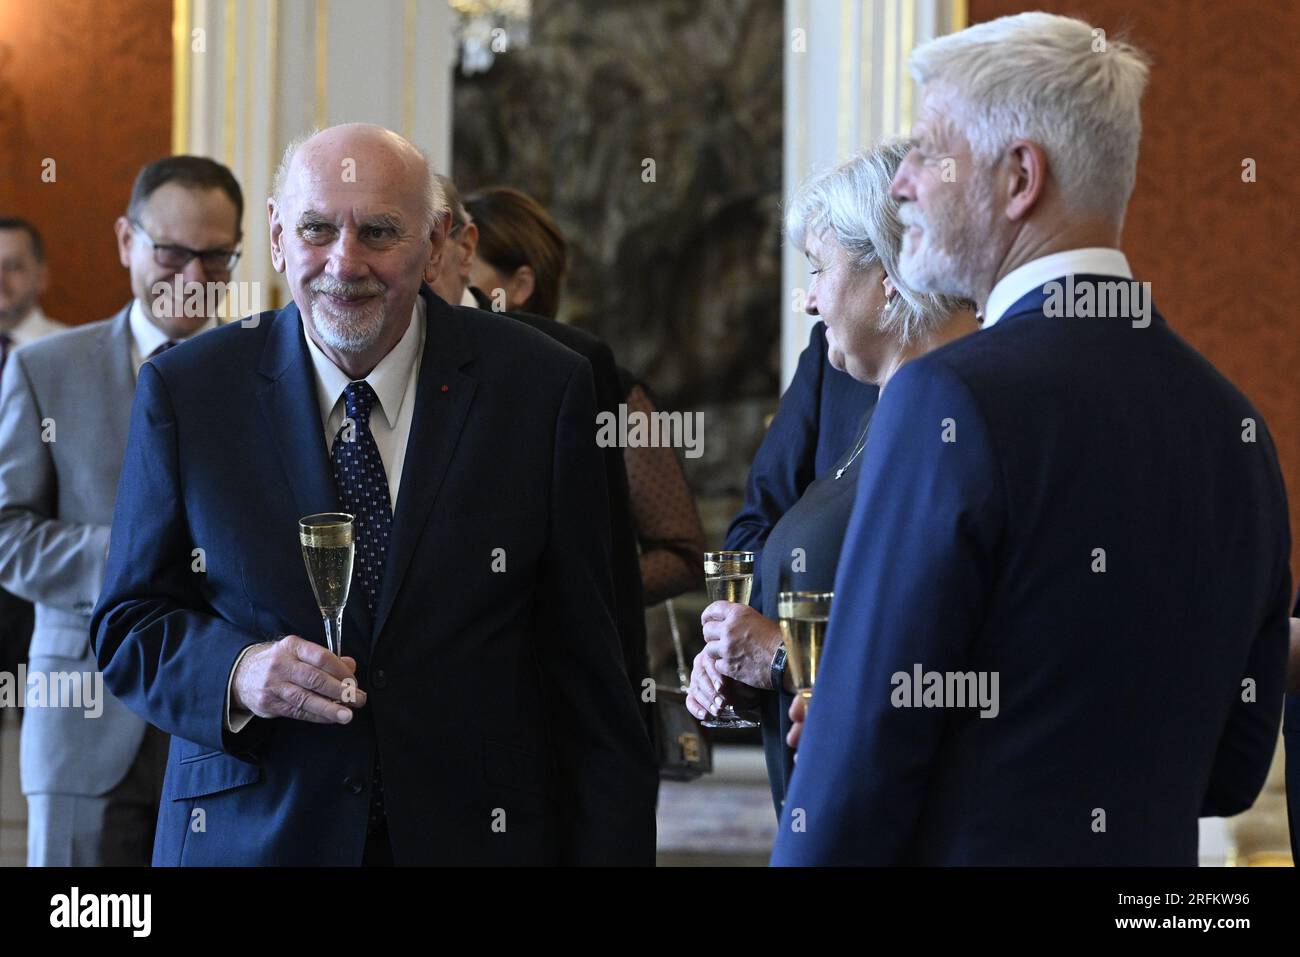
[[64, 411]]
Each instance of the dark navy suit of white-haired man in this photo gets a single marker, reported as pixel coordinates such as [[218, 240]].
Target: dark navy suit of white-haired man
[[1071, 500]]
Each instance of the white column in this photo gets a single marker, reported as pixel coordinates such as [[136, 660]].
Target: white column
[[254, 74], [846, 87]]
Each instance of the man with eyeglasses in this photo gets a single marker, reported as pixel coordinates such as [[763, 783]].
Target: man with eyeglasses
[[92, 770]]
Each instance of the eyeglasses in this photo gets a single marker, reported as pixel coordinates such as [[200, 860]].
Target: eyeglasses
[[178, 257]]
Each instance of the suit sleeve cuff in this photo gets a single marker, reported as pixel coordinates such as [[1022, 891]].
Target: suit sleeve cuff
[[237, 719]]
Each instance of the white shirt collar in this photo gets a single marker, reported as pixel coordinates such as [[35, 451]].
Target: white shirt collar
[[28, 328], [148, 336], [389, 379], [1090, 261], [467, 299], [35, 325], [34, 319]]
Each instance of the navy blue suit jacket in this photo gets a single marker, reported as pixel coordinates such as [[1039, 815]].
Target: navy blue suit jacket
[[1121, 715], [498, 700], [815, 423]]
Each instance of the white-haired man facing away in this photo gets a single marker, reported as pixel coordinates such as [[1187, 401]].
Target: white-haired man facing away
[[1060, 620]]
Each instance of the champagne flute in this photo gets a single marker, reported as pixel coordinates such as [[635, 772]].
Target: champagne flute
[[729, 576], [803, 616], [327, 549]]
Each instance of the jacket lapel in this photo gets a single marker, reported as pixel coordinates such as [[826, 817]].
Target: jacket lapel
[[442, 400], [292, 415], [115, 345]]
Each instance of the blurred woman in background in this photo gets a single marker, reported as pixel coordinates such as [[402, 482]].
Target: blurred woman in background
[[521, 251]]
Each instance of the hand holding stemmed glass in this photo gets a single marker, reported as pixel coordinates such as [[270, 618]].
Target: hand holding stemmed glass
[[729, 577], [804, 617], [328, 549], [292, 677]]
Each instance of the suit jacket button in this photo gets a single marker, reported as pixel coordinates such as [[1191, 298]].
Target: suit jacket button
[[354, 785], [379, 679]]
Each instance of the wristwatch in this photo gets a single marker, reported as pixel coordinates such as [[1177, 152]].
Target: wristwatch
[[778, 669]]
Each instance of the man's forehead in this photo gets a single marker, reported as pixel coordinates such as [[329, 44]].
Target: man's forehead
[[180, 201], [934, 115], [347, 201], [15, 241], [347, 210], [343, 190], [351, 161], [174, 213]]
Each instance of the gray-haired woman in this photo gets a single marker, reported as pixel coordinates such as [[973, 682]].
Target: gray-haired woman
[[848, 226]]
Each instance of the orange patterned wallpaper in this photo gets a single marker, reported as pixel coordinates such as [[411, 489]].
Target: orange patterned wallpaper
[[87, 85], [1223, 256]]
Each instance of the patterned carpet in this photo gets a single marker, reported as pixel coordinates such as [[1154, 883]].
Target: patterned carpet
[[723, 819]]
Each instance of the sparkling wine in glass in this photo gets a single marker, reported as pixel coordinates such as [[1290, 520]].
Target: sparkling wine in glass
[[729, 576], [327, 549], [803, 616]]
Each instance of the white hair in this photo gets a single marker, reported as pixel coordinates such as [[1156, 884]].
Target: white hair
[[851, 205], [1053, 80], [435, 199]]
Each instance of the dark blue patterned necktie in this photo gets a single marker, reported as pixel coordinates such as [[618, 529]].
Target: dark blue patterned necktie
[[363, 489], [162, 347]]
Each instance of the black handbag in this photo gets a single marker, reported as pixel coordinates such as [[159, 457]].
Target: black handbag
[[685, 751]]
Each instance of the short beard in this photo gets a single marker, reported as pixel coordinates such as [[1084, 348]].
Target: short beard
[[353, 331], [948, 260]]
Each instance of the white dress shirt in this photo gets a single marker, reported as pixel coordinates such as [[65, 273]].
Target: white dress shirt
[[146, 337], [1090, 261], [394, 381], [35, 325]]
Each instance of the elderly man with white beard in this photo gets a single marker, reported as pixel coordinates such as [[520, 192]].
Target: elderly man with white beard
[[478, 711], [1071, 499]]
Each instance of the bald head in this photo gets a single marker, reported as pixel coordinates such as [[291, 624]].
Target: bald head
[[357, 221], [327, 152]]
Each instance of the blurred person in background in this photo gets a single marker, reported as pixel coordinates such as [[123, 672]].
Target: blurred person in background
[[452, 283], [24, 278], [93, 775], [519, 264]]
